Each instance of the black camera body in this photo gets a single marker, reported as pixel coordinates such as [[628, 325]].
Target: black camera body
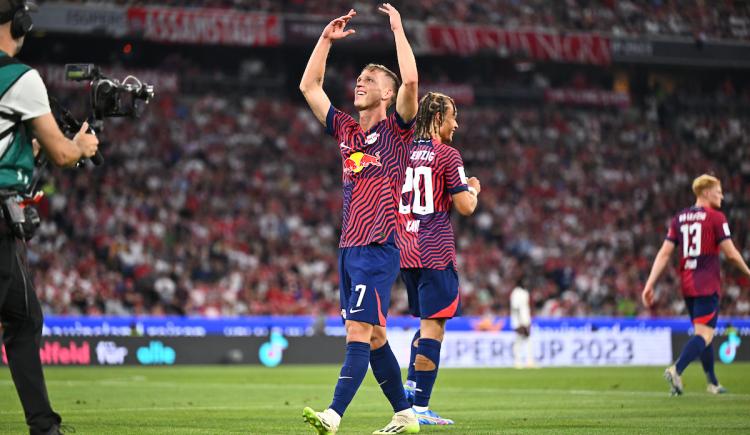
[[110, 97]]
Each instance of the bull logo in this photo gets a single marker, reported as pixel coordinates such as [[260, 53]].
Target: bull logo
[[359, 160]]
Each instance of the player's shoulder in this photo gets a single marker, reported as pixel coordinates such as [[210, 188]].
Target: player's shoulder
[[341, 115], [446, 150], [451, 156], [715, 213], [340, 123], [396, 122], [684, 211]]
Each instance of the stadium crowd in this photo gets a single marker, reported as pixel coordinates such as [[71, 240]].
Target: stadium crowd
[[226, 205], [726, 19]]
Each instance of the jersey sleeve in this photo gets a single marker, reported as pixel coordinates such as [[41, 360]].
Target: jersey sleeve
[[338, 123], [673, 232], [404, 129], [28, 96], [455, 176], [720, 227]]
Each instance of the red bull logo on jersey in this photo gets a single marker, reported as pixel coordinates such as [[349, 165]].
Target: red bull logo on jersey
[[358, 161]]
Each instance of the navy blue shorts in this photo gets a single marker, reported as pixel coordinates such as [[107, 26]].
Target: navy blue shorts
[[433, 294], [703, 310], [366, 275]]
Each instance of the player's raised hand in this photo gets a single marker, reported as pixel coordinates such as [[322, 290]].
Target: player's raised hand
[[648, 297], [393, 14], [336, 29], [474, 182]]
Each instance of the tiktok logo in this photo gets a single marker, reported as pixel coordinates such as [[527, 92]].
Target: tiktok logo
[[728, 349], [270, 352]]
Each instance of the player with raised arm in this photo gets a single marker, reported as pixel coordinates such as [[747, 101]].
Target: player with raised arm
[[435, 182], [374, 153], [702, 231]]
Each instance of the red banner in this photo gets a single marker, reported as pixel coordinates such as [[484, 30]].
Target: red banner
[[205, 26], [461, 93], [590, 97], [570, 47]]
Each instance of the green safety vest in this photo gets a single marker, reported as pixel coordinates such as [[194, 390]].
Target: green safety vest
[[17, 162]]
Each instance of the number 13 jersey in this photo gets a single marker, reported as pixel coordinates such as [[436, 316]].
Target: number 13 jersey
[[435, 171], [697, 232]]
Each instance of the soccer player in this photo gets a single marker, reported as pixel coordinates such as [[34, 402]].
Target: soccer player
[[520, 321], [435, 181], [702, 231], [374, 152]]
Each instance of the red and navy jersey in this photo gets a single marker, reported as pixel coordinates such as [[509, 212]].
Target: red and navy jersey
[[425, 235], [373, 169], [697, 232]]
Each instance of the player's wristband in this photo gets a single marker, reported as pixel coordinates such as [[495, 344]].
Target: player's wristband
[[473, 191]]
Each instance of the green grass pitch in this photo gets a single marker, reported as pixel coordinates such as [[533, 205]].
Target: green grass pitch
[[256, 400]]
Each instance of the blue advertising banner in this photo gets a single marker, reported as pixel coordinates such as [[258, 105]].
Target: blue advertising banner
[[299, 326]]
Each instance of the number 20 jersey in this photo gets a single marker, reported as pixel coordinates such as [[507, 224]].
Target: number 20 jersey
[[697, 232], [435, 171]]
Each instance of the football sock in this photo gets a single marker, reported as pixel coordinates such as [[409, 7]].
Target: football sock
[[691, 351], [352, 373], [429, 349], [388, 374], [707, 359], [411, 373]]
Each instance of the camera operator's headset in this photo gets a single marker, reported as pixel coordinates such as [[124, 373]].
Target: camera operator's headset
[[20, 19]]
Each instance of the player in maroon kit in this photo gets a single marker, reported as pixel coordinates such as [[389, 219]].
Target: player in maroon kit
[[702, 231], [374, 153], [435, 182]]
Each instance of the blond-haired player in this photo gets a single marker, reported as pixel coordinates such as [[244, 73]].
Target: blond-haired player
[[373, 150], [702, 232]]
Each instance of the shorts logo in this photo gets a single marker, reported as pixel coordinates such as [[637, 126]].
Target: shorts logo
[[358, 161], [352, 311]]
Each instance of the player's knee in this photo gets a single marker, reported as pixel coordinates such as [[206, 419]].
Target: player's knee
[[705, 332], [433, 328], [424, 364], [708, 336], [358, 331], [377, 340]]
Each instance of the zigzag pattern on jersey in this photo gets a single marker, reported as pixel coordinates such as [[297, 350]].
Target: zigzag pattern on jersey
[[346, 129], [375, 219], [405, 135], [704, 279], [371, 195], [436, 244], [408, 243], [348, 187], [453, 161], [433, 246]]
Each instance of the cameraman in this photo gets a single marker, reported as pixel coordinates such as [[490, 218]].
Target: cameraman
[[25, 114]]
